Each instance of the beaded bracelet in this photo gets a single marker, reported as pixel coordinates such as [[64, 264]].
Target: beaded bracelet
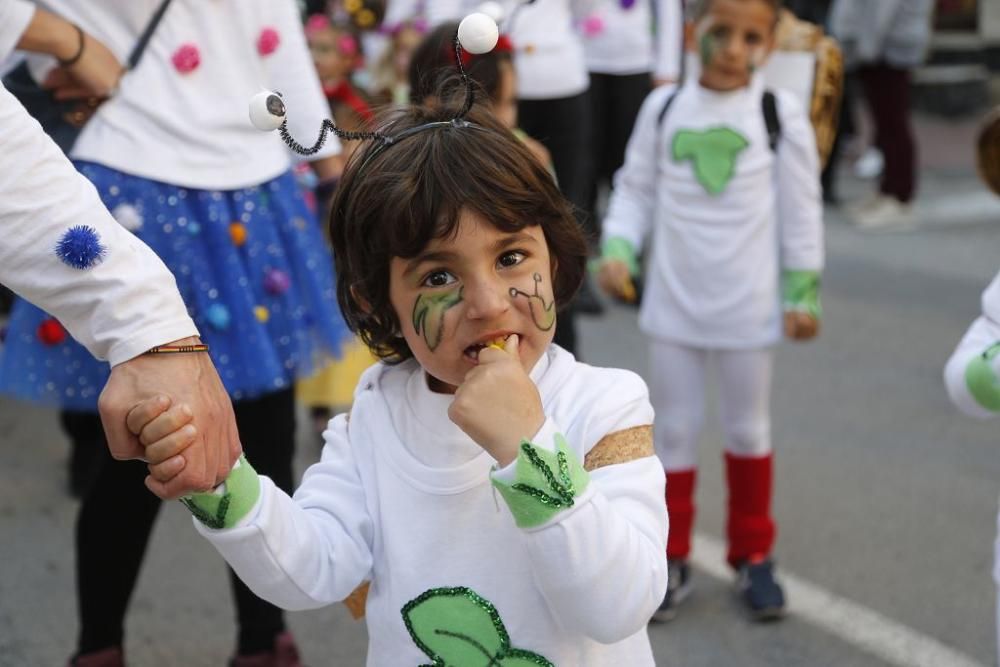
[[177, 349], [69, 62]]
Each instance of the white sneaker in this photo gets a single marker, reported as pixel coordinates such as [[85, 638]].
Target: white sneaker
[[870, 164], [884, 213]]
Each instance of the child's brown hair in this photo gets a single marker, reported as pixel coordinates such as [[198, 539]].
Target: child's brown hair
[[392, 201]]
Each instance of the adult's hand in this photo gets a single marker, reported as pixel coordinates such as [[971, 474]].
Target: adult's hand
[[187, 378]]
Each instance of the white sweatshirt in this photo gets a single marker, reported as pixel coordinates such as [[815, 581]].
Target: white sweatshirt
[[982, 333], [192, 129], [712, 278], [15, 15], [548, 51], [627, 42], [117, 309], [402, 497]]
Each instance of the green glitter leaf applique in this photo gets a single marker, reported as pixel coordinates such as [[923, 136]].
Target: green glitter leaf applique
[[546, 483], [225, 510], [457, 627], [713, 154]]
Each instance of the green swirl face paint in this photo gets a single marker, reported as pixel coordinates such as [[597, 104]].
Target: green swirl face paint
[[428, 314], [544, 316]]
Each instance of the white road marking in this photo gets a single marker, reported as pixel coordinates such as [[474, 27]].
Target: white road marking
[[855, 624]]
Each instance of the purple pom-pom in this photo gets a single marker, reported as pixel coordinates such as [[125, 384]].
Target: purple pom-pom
[[277, 282], [627, 4], [81, 247]]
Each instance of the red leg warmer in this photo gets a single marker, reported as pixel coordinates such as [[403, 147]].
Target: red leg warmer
[[749, 528], [680, 507]]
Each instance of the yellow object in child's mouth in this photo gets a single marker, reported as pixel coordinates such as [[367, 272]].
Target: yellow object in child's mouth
[[497, 344]]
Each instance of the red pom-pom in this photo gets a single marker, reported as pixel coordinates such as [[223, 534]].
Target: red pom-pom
[[50, 332]]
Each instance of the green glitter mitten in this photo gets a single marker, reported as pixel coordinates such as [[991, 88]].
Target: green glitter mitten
[[982, 380], [229, 502], [545, 483]]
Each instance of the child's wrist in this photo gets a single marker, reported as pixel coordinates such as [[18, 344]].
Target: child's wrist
[[800, 290], [227, 504], [620, 249]]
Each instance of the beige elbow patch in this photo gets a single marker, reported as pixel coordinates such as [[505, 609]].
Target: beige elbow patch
[[620, 447], [356, 601]]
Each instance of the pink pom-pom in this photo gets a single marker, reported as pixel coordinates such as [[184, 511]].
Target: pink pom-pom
[[316, 23], [186, 58], [593, 25], [268, 41]]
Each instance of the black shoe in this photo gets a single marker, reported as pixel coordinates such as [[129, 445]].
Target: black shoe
[[679, 587], [759, 590]]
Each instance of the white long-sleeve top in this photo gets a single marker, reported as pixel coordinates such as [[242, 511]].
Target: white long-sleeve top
[[981, 334], [402, 497], [712, 277], [548, 51], [117, 309], [628, 44], [192, 129], [15, 15]]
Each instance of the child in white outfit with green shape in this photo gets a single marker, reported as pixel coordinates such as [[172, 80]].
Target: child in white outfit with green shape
[[721, 184], [502, 499]]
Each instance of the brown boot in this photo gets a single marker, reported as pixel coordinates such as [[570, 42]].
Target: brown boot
[[106, 657], [285, 654]]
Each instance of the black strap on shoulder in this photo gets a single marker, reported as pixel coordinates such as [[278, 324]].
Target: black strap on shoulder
[[140, 46], [666, 108], [769, 104]]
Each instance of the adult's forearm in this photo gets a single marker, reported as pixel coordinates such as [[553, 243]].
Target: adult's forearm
[[117, 308]]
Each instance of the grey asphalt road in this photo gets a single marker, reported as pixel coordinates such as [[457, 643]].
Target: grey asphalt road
[[884, 495]]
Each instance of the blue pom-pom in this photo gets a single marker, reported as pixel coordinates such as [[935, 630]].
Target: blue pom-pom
[[218, 316], [81, 247]]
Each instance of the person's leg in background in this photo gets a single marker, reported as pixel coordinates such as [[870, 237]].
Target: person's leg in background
[[562, 126], [112, 530], [267, 431], [677, 392], [887, 90]]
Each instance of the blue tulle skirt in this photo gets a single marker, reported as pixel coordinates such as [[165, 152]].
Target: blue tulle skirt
[[252, 266]]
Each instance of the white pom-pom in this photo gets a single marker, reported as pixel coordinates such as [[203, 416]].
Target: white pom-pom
[[491, 9], [267, 111], [478, 33]]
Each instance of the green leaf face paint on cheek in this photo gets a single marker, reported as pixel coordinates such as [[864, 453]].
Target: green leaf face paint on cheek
[[428, 315]]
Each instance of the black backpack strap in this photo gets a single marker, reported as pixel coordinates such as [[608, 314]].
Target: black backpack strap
[[772, 121], [666, 108]]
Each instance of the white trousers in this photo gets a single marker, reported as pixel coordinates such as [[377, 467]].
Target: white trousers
[[678, 381]]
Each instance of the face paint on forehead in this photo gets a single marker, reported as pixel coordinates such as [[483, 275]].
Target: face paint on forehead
[[544, 316], [428, 315]]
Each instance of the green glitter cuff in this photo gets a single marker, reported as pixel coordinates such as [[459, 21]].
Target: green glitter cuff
[[618, 248], [801, 292], [239, 494], [982, 380], [545, 483]]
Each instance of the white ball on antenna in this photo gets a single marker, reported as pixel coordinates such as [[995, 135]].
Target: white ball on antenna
[[491, 9], [478, 33], [267, 111]]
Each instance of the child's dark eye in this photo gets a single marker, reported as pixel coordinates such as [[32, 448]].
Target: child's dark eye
[[512, 258], [753, 39], [438, 279]]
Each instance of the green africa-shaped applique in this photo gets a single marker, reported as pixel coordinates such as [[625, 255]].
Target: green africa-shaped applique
[[712, 153], [456, 627]]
